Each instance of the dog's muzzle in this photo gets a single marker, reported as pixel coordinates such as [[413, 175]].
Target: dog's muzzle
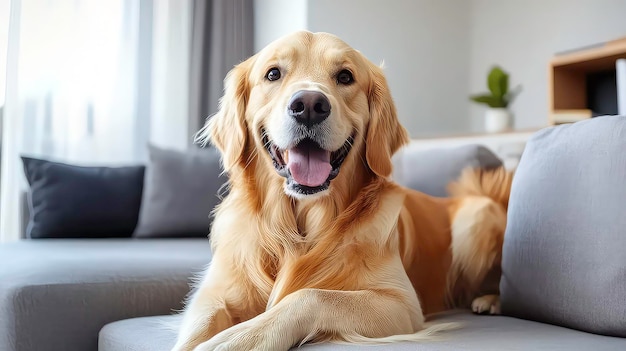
[[307, 166]]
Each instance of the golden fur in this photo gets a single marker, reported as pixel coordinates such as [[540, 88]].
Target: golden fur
[[364, 259]]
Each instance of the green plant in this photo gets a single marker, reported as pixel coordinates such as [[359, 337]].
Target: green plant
[[499, 94]]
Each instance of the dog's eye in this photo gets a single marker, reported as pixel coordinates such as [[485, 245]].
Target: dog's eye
[[345, 77], [273, 74]]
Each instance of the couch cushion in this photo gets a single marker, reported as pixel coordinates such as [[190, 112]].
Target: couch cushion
[[430, 171], [564, 249], [57, 294], [180, 191], [68, 201], [482, 333]]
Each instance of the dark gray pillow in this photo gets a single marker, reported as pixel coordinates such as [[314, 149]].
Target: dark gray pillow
[[564, 258], [180, 191], [430, 171], [67, 201]]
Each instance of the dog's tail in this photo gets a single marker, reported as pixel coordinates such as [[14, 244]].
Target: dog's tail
[[492, 183], [431, 332], [477, 231]]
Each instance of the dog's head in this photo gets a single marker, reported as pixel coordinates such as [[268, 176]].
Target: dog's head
[[310, 107]]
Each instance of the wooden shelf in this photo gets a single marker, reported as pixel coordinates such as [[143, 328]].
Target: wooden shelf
[[568, 75], [598, 58]]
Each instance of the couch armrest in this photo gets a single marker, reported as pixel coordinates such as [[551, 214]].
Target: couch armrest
[[58, 294]]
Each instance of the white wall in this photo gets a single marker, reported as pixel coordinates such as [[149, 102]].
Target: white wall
[[523, 35], [275, 18]]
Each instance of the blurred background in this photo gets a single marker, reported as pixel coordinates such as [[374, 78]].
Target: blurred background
[[95, 82]]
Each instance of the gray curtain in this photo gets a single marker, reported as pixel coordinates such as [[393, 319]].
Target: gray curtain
[[222, 36]]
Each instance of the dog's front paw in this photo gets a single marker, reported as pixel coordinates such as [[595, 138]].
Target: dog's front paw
[[236, 342], [246, 336], [222, 342], [486, 304]]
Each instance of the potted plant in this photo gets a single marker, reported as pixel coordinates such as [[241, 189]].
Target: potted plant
[[498, 117]]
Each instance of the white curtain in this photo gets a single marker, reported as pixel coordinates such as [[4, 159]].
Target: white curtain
[[91, 82], [170, 73]]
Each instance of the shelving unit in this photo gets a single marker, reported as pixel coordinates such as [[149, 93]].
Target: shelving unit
[[568, 75]]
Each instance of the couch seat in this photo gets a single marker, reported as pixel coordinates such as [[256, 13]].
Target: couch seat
[[482, 333]]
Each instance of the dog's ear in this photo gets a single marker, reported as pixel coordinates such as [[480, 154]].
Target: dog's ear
[[227, 128], [385, 134]]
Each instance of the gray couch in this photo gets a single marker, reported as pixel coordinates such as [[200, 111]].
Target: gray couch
[[118, 294], [56, 294]]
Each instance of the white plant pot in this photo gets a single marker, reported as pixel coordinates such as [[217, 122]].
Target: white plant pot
[[498, 120]]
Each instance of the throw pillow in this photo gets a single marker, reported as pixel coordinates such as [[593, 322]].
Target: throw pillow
[[68, 201], [181, 190], [563, 253]]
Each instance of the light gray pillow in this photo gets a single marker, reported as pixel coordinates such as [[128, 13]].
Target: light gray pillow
[[180, 191], [430, 171], [564, 254]]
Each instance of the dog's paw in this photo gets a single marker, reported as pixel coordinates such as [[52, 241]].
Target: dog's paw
[[486, 304], [228, 340], [246, 336], [237, 342]]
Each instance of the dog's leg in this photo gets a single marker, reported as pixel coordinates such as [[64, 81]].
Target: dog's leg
[[201, 322], [316, 314], [488, 300], [223, 298], [477, 234], [488, 304]]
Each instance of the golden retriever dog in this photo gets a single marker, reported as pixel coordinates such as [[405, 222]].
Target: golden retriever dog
[[314, 241]]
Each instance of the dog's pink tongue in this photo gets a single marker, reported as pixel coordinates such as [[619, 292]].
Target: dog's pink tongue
[[309, 166]]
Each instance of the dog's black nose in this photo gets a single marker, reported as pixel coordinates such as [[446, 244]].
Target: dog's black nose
[[309, 107]]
